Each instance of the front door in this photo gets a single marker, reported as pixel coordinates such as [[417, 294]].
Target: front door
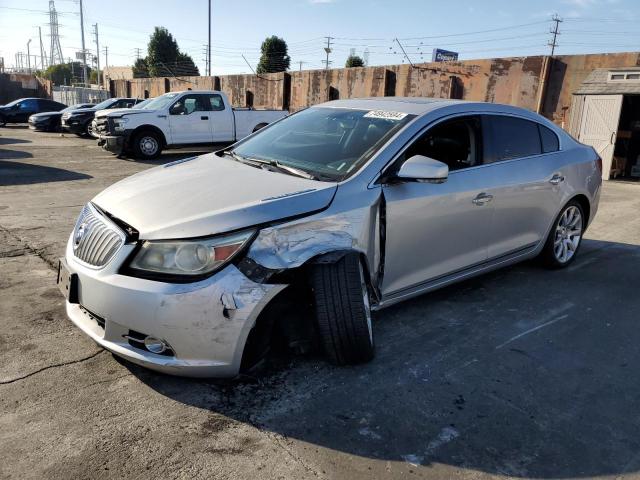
[[599, 125], [189, 120], [436, 229]]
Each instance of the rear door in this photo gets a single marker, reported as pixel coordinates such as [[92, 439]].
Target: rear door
[[221, 119], [599, 125], [437, 229], [524, 174], [189, 120], [24, 110]]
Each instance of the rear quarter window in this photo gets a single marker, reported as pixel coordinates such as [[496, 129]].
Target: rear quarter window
[[550, 142], [511, 137]]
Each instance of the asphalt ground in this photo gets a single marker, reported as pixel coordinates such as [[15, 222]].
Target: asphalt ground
[[522, 373]]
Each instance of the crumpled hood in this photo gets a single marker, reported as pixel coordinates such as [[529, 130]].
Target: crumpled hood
[[117, 112], [209, 195]]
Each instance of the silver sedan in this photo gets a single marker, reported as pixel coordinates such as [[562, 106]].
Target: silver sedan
[[196, 267]]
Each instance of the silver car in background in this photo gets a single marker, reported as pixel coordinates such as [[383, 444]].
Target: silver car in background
[[352, 205]]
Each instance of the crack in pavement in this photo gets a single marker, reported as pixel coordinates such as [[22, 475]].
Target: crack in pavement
[[37, 252], [55, 365]]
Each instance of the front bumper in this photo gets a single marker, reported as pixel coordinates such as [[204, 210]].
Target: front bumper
[[73, 125], [206, 323], [113, 143]]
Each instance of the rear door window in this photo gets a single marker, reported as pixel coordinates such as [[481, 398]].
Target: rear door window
[[510, 138]]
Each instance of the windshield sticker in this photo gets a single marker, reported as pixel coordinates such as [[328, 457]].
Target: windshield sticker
[[385, 115]]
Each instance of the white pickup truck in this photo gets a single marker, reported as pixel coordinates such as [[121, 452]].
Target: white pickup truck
[[179, 119]]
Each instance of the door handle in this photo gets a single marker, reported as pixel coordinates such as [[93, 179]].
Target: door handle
[[162, 116], [556, 179], [482, 198], [204, 118]]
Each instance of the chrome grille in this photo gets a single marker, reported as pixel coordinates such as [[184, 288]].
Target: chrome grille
[[95, 239]]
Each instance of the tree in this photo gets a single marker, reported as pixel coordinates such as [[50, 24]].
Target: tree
[[94, 77], [164, 58], [140, 69], [66, 73], [274, 56], [354, 61]]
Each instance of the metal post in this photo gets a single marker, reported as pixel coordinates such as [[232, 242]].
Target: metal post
[[29, 56], [98, 54], [209, 44], [42, 59], [106, 65], [84, 51]]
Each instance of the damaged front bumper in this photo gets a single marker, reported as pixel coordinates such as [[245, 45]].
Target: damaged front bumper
[[204, 324]]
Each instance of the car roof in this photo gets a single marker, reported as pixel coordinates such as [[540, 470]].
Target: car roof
[[423, 105]]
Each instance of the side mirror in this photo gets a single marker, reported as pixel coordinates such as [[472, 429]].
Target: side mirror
[[424, 169]]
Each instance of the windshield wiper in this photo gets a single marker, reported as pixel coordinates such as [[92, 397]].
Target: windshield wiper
[[260, 163]]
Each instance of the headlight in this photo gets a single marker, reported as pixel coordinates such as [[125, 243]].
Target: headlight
[[189, 257], [118, 123]]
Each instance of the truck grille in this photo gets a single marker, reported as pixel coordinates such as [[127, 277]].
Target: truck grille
[[95, 238], [102, 126]]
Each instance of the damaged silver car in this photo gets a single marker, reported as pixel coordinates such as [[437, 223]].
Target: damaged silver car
[[193, 268]]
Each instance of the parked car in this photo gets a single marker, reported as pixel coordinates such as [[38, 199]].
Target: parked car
[[50, 121], [101, 113], [79, 121], [359, 203], [20, 110], [180, 119]]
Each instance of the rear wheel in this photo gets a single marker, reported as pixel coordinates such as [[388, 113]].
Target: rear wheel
[[343, 313], [147, 145], [565, 237]]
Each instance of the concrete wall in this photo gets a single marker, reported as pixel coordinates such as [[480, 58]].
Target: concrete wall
[[19, 85], [516, 81]]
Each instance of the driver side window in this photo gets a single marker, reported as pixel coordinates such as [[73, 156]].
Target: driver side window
[[455, 142], [187, 105]]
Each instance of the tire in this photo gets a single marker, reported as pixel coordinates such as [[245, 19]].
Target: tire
[[3, 122], [343, 314], [565, 237], [144, 143], [88, 129]]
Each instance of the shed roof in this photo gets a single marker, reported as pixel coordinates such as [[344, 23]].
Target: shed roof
[[598, 83]]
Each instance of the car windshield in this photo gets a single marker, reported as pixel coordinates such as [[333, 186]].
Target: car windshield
[[75, 107], [142, 104], [106, 104], [328, 143], [159, 102]]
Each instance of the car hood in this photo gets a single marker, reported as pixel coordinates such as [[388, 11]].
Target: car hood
[[82, 110], [109, 111], [208, 195], [129, 111], [46, 114]]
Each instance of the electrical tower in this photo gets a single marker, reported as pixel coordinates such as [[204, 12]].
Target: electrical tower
[[55, 54], [555, 32], [327, 50], [365, 57], [138, 52]]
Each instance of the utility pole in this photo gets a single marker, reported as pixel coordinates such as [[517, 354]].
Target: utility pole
[[138, 52], [403, 51], [84, 50], [301, 62], [209, 44], [557, 21], [42, 59], [29, 56], [106, 65], [95, 26], [327, 50]]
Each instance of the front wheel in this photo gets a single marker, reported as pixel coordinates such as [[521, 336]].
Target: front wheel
[[565, 236], [343, 313], [147, 145]]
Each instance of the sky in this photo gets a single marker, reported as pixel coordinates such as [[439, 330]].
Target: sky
[[475, 29]]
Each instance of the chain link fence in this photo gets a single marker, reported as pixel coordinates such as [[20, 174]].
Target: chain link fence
[[73, 95]]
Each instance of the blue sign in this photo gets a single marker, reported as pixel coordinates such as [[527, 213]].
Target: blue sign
[[440, 55]]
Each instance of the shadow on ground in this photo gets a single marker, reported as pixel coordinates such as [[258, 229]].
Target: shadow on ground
[[16, 173], [522, 372], [10, 141]]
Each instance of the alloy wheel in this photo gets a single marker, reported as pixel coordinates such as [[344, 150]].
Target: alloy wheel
[[568, 234]]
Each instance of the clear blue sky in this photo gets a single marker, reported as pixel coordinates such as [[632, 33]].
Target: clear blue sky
[[506, 28]]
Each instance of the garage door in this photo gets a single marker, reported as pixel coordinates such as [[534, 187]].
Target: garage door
[[599, 125]]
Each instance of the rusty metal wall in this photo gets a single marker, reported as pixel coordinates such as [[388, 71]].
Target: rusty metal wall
[[515, 81]]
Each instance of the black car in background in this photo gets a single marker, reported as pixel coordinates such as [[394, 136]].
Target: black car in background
[[50, 121], [20, 110], [79, 121]]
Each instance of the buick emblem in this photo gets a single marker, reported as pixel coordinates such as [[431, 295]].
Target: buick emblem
[[77, 238]]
